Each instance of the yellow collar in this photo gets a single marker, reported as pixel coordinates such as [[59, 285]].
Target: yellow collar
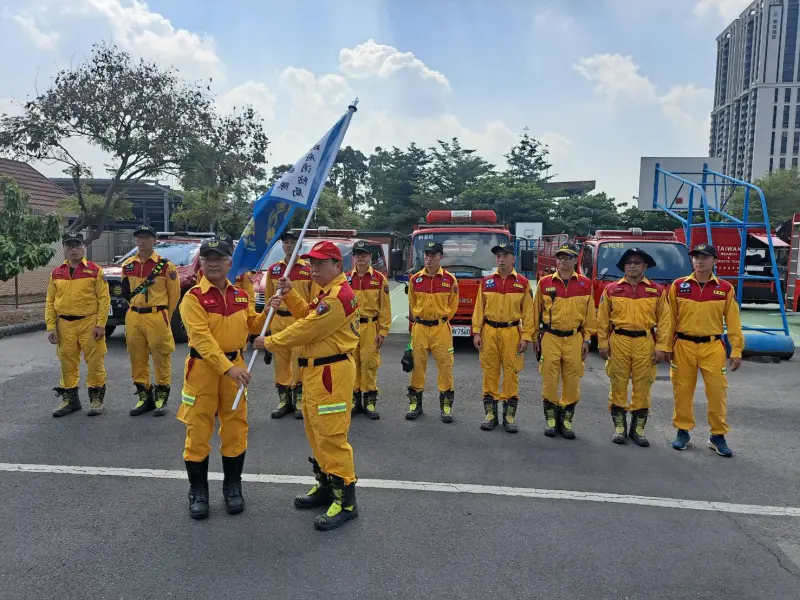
[[338, 280], [512, 274], [573, 276], [712, 278], [206, 285]]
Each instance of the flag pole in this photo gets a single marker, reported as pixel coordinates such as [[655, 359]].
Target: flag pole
[[313, 209]]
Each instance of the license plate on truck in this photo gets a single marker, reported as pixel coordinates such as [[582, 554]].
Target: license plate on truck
[[462, 331]]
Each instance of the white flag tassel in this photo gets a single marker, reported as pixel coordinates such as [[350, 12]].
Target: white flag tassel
[[314, 166]]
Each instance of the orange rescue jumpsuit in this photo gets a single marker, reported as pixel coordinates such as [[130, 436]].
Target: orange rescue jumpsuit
[[699, 312], [218, 325], [372, 293]]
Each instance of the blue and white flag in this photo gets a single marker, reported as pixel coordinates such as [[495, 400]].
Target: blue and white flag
[[299, 187]]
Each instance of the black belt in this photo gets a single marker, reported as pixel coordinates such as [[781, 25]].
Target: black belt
[[499, 325], [283, 313], [631, 334], [325, 360], [72, 317], [145, 310], [368, 319], [430, 323], [229, 355], [702, 339], [561, 333]]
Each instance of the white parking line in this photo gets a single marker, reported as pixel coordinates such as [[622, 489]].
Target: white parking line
[[425, 486]]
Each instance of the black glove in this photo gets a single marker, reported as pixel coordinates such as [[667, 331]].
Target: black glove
[[267, 357], [407, 361]]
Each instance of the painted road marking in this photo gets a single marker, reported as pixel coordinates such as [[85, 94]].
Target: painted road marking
[[425, 486]]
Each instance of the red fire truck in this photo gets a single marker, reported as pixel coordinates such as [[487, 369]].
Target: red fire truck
[[467, 237], [793, 276]]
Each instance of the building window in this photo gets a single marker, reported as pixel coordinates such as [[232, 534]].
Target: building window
[[774, 116], [787, 98], [794, 163], [784, 142], [771, 164], [782, 164], [776, 95], [786, 112], [790, 48], [772, 144], [796, 145]]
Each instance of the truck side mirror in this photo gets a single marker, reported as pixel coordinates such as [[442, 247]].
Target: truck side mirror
[[528, 260], [396, 260]]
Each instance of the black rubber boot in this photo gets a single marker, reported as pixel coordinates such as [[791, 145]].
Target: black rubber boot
[[342, 509], [146, 400], [638, 422], [620, 417], [198, 488], [284, 402], [446, 405], [550, 419], [414, 404], [70, 401], [96, 397], [491, 420], [510, 414], [565, 421], [162, 395], [358, 407], [320, 494], [297, 401], [232, 483], [370, 402]]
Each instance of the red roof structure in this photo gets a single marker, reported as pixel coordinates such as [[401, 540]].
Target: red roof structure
[[45, 195]]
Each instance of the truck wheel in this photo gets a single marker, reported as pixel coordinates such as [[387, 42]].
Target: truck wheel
[[110, 330], [178, 330]]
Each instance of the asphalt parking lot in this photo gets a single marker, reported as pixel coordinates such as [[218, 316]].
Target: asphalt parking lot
[[96, 508]]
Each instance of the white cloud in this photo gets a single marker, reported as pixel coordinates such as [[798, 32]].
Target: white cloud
[[371, 59], [27, 22], [253, 93], [560, 146], [727, 9]]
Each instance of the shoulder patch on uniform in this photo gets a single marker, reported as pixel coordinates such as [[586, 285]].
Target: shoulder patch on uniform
[[347, 297], [386, 288], [323, 307], [173, 275], [685, 287], [128, 268]]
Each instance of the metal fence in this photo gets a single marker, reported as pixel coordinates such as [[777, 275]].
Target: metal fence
[[31, 287]]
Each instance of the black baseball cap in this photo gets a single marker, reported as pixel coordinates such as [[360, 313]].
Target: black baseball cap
[[504, 248], [635, 252], [224, 237], [434, 247], [71, 236], [567, 248], [706, 249], [144, 229], [216, 246], [289, 235], [362, 246]]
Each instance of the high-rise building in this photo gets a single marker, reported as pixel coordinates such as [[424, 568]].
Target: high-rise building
[[755, 124]]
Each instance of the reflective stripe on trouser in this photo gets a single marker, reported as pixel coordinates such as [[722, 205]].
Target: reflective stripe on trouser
[[367, 359], [561, 360], [439, 341], [205, 394], [327, 402], [499, 353], [145, 335], [287, 372], [710, 358], [630, 359], [75, 337]]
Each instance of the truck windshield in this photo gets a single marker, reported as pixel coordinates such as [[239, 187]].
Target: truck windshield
[[672, 260], [179, 254], [466, 254]]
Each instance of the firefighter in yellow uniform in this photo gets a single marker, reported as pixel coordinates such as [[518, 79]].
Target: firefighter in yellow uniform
[[372, 291], [564, 314], [288, 378], [150, 282], [702, 307], [502, 328], [76, 311], [634, 334], [432, 302], [219, 318], [327, 334]]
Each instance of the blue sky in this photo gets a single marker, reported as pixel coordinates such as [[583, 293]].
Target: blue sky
[[602, 82]]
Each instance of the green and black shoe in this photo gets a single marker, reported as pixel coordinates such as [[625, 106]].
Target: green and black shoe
[[342, 509]]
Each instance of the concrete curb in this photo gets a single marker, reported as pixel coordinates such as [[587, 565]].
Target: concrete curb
[[20, 328]]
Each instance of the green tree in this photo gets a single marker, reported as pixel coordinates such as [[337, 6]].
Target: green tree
[[584, 214], [453, 169], [146, 119], [395, 178], [91, 206], [528, 160], [25, 238], [648, 220], [218, 209], [781, 191], [349, 176], [512, 199]]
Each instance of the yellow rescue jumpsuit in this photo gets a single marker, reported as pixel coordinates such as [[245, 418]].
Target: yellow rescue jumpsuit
[[243, 282], [218, 326], [287, 374], [147, 323], [699, 312], [503, 316], [327, 328], [76, 304], [567, 316], [372, 293], [432, 302], [626, 311]]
